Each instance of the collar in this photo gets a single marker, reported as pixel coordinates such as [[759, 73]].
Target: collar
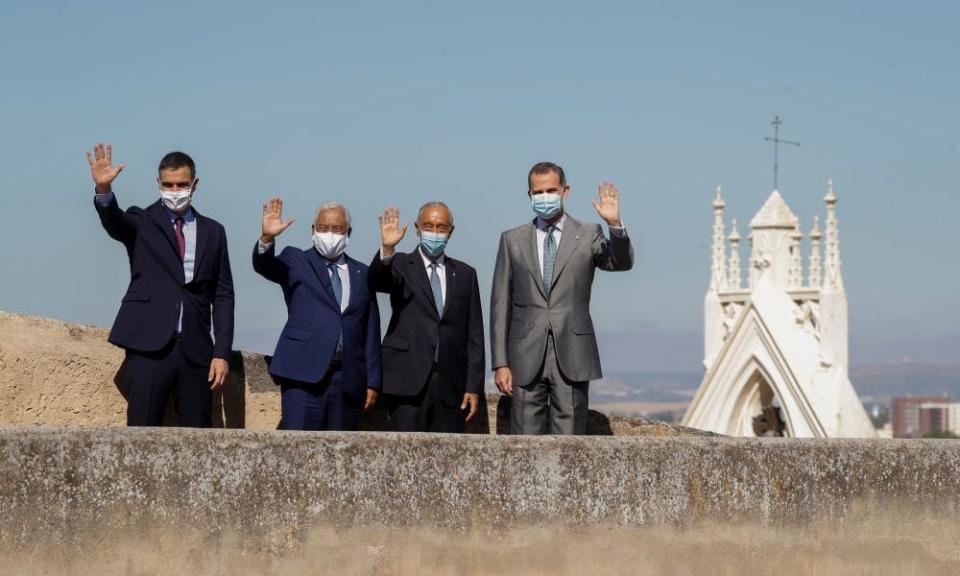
[[341, 261], [188, 216], [543, 225], [427, 260]]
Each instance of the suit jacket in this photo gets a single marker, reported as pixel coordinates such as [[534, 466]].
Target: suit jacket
[[314, 320], [148, 315], [521, 315], [416, 327]]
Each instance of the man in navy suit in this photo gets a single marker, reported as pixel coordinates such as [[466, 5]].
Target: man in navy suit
[[327, 361], [179, 278], [433, 351]]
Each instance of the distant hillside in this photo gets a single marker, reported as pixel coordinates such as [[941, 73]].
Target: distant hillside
[[642, 393], [880, 382]]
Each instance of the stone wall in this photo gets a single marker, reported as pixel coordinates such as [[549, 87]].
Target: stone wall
[[92, 498], [104, 501]]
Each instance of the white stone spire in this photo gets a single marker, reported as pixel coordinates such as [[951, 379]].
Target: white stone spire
[[816, 273], [718, 272], [771, 242], [833, 278], [795, 278], [733, 268], [774, 214]]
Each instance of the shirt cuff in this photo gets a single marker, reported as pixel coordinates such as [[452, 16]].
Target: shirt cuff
[[262, 248], [104, 200], [619, 231], [387, 259]]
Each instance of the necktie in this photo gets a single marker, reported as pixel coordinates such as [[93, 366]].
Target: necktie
[[549, 258], [437, 290], [181, 240], [438, 302], [338, 294]]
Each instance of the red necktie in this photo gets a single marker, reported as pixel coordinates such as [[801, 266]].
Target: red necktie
[[181, 240]]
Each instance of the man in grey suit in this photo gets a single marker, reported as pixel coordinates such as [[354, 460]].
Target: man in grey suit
[[542, 339]]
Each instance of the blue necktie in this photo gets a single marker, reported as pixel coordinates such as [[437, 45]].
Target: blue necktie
[[338, 294], [438, 302], [549, 258]]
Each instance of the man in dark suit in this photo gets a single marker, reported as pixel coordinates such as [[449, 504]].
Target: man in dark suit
[[433, 357], [327, 361], [179, 278]]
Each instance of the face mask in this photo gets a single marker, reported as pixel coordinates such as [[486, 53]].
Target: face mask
[[546, 205], [433, 243], [176, 201], [330, 245]]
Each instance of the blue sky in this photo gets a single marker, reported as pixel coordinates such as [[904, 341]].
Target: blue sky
[[398, 103]]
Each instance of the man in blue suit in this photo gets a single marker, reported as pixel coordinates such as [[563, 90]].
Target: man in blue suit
[[327, 361], [179, 279]]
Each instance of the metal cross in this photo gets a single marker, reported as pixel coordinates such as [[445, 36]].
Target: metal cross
[[776, 149]]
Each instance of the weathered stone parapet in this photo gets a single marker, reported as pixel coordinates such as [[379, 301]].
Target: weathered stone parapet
[[245, 502]]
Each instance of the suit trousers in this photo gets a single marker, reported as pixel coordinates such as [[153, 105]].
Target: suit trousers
[[425, 412], [319, 406], [152, 377], [552, 403]]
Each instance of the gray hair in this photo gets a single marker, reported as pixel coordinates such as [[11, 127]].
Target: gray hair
[[435, 203], [331, 206]]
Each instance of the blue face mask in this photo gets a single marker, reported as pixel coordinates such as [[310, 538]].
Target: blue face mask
[[546, 205], [433, 243]]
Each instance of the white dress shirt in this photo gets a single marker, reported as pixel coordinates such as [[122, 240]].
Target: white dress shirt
[[344, 272], [542, 227], [441, 261], [189, 235]]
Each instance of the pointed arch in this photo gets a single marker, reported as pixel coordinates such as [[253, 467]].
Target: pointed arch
[[749, 371], [755, 390]]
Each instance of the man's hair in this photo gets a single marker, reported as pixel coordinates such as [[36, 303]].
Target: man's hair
[[330, 206], [546, 168], [432, 204], [177, 160]]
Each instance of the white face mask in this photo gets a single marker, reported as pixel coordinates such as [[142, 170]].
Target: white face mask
[[176, 201], [330, 245]]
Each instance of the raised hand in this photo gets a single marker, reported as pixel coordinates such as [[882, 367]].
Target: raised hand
[[102, 168], [390, 231], [608, 206], [273, 224]]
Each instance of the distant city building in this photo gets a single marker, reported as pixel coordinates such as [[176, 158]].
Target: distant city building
[[953, 418], [918, 416], [775, 351]]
